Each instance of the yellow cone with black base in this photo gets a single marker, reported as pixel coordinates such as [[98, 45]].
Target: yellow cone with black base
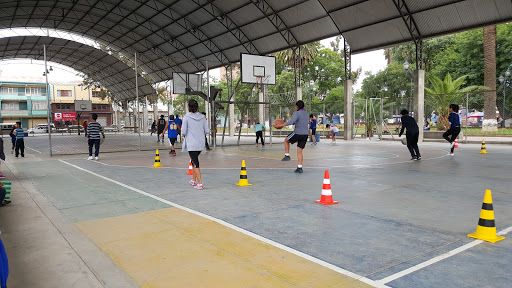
[[243, 176], [157, 160], [482, 150], [486, 229]]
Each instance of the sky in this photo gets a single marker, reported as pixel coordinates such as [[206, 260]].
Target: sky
[[370, 61]]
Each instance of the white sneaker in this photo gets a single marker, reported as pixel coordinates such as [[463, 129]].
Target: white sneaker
[[199, 187], [451, 154], [96, 158], [90, 158]]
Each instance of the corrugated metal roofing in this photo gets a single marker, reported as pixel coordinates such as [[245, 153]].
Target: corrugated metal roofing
[[180, 35], [115, 75]]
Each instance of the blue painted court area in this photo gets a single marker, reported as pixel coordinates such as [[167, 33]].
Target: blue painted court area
[[393, 214]]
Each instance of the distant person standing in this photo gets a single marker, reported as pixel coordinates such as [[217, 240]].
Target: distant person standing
[[454, 126], [194, 129], [312, 126], [299, 135], [258, 128], [180, 123], [153, 127], [161, 128], [13, 139], [412, 133], [93, 136], [85, 127], [20, 143], [172, 133]]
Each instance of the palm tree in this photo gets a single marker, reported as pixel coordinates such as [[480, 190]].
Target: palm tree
[[307, 53], [161, 95], [445, 92], [490, 123]]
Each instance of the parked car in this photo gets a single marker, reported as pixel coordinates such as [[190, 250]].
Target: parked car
[[40, 128]]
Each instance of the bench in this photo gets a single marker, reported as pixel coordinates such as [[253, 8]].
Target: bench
[[7, 187]]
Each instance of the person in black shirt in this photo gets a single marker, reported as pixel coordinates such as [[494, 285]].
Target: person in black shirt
[[161, 126], [412, 134]]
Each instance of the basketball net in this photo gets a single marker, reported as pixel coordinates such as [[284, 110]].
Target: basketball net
[[259, 80]]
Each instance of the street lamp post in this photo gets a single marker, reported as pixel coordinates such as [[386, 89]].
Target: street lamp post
[[506, 83], [46, 72], [409, 73]]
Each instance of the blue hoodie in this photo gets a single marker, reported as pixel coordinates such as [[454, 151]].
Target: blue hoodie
[[194, 129], [4, 266]]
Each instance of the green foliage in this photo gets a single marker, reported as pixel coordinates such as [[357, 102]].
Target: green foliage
[[307, 53], [327, 70]]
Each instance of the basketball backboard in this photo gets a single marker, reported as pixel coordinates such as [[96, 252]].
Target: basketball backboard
[[184, 83], [257, 69], [83, 105]]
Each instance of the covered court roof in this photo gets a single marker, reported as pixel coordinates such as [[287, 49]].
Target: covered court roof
[[181, 35], [113, 74]]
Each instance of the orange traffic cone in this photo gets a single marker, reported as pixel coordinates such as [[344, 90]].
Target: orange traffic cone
[[326, 198], [189, 168], [456, 143]]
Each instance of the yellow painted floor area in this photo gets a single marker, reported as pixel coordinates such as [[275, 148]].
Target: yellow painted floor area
[[174, 248]]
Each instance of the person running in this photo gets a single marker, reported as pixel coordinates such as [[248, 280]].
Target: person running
[[258, 128], [412, 134], [299, 135], [161, 128], [312, 126], [20, 143], [180, 123], [172, 133], [334, 132], [194, 130], [454, 127], [93, 136]]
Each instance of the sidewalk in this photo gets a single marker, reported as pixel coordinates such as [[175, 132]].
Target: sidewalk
[[44, 249]]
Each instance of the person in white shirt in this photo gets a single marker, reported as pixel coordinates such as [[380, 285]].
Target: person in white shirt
[[334, 132]]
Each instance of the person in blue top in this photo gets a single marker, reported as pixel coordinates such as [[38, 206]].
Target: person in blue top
[[13, 139], [312, 126], [20, 144], [454, 127], [180, 123], [172, 133]]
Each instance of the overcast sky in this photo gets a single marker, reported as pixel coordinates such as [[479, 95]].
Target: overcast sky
[[370, 61]]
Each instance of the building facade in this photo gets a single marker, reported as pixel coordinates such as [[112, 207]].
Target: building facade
[[63, 98], [24, 101]]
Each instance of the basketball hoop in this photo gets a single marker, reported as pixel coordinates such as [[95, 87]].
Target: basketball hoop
[[259, 80]]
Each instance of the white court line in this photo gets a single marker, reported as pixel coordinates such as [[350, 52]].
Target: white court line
[[241, 230], [436, 259], [34, 150]]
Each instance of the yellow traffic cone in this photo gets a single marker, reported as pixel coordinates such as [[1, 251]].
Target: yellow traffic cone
[[157, 160], [486, 229], [482, 150], [243, 176]]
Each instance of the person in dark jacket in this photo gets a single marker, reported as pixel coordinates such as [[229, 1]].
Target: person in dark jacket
[[160, 126], [454, 127], [412, 134], [13, 139]]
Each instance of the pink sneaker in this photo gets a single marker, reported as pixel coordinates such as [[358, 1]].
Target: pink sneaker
[[2, 176], [192, 182], [199, 187]]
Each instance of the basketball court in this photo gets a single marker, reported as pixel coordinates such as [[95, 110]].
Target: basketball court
[[396, 221]]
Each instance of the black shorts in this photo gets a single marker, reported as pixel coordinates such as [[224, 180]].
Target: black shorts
[[172, 140], [194, 156], [300, 139], [313, 131]]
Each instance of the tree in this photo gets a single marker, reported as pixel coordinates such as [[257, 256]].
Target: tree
[[327, 70], [489, 35], [446, 92], [307, 53]]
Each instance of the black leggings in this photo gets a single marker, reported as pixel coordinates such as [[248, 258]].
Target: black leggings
[[412, 144], [194, 156], [259, 134], [454, 132]]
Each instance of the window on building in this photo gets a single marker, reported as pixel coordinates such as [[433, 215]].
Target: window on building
[[39, 105], [33, 90], [64, 93], [10, 105], [9, 90], [61, 106], [96, 94]]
